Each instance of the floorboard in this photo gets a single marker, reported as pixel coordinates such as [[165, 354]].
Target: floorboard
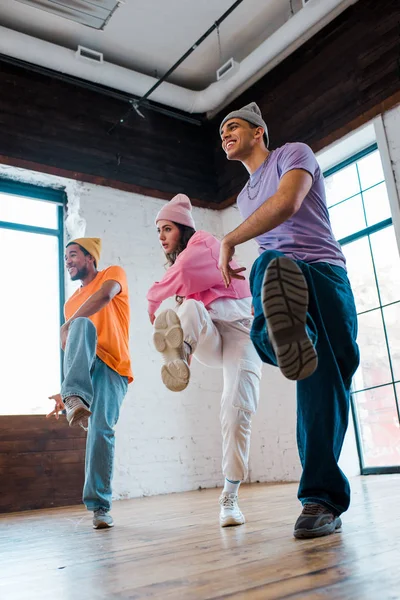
[[171, 548]]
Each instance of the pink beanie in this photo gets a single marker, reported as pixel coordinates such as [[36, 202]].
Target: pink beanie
[[178, 210]]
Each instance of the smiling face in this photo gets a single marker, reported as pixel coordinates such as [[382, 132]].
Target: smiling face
[[79, 265], [239, 138], [169, 235]]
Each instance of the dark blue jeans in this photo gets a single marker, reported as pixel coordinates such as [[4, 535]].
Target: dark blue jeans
[[323, 399]]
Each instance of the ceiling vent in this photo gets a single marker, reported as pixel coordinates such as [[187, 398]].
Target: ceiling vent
[[88, 54], [229, 68], [92, 13]]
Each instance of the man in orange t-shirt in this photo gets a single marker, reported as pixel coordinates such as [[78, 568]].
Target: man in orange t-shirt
[[97, 369]]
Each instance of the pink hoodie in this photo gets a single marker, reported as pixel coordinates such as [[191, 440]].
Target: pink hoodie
[[195, 275]]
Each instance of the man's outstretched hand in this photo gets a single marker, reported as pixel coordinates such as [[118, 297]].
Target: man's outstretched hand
[[58, 407], [225, 256]]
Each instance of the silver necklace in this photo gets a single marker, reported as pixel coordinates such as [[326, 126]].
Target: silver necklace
[[257, 184]]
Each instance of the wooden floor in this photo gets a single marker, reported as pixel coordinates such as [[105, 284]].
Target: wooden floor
[[171, 547]]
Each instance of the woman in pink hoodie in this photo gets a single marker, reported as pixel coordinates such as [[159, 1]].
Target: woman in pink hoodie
[[213, 324]]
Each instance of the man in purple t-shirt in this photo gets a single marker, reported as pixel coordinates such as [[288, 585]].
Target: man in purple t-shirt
[[305, 319]]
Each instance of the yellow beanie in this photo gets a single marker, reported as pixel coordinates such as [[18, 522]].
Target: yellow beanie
[[92, 245]]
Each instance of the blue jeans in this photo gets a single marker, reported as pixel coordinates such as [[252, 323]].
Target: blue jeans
[[323, 399], [103, 390]]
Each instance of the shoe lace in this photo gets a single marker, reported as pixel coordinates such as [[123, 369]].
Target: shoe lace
[[228, 501], [313, 509], [72, 402], [100, 512]]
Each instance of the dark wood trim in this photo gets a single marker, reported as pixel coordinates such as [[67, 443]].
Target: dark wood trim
[[226, 203], [366, 117], [378, 109], [96, 180], [55, 127]]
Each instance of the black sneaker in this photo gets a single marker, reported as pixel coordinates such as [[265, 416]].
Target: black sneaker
[[285, 304], [316, 520]]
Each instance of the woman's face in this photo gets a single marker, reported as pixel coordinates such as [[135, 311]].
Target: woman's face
[[169, 236]]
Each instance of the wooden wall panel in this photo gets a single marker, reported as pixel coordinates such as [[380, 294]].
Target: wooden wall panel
[[41, 463], [332, 84], [61, 126]]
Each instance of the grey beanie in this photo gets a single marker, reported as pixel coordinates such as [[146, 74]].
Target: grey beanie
[[250, 113]]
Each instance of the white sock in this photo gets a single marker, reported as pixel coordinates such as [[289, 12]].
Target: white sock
[[231, 487], [188, 348]]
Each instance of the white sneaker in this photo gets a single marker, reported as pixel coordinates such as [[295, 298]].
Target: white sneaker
[[77, 412], [102, 519], [168, 339], [230, 513]]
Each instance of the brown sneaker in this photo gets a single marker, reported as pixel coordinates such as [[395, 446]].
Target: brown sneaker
[[316, 520], [77, 412]]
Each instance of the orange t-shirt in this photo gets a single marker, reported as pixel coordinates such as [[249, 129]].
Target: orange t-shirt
[[111, 322]]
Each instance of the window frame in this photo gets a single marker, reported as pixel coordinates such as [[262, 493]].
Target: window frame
[[366, 232], [55, 196]]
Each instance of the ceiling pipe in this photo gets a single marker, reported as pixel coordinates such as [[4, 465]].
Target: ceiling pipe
[[301, 27], [298, 29], [205, 35]]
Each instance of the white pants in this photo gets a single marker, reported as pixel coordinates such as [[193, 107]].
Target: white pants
[[220, 338]]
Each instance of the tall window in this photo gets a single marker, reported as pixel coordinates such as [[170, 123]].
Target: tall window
[[31, 251], [361, 220]]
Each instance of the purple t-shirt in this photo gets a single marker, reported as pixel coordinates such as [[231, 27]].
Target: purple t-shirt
[[308, 234]]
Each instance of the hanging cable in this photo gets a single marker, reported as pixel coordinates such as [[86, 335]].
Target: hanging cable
[[219, 45]]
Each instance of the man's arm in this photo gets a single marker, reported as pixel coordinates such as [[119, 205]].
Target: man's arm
[[293, 188], [93, 304], [98, 300]]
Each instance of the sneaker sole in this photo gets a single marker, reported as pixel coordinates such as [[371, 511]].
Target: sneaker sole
[[285, 304], [79, 416], [231, 521], [327, 529], [103, 525], [168, 340]]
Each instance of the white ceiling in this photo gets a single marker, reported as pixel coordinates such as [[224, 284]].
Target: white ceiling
[[148, 36]]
